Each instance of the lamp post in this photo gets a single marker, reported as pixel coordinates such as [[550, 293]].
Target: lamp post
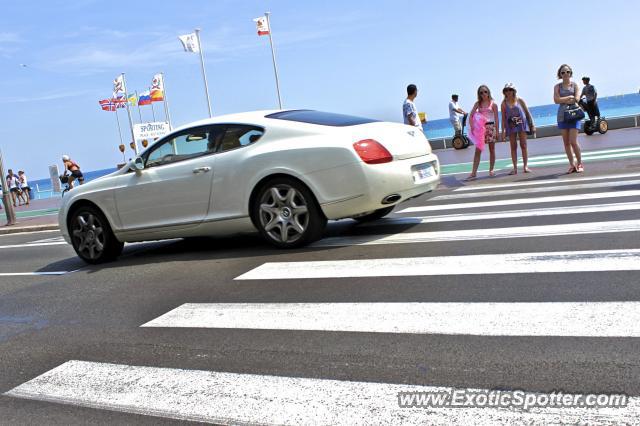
[[6, 195]]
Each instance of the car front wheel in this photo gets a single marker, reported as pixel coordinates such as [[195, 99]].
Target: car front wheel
[[91, 236], [287, 214]]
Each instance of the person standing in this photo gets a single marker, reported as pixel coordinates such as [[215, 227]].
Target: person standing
[[589, 99], [516, 123], [409, 110], [455, 113], [13, 183], [565, 94], [24, 186], [489, 110]]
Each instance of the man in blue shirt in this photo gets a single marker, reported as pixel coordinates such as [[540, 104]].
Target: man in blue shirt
[[409, 110]]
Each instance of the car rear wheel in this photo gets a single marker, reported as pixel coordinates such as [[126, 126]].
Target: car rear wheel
[[374, 215], [92, 237], [287, 214]]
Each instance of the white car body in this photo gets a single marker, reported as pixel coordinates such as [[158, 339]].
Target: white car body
[[175, 200]]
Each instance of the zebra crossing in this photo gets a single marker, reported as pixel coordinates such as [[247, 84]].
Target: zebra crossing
[[463, 215]]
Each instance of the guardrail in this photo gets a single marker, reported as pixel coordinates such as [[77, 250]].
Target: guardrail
[[38, 191], [620, 122]]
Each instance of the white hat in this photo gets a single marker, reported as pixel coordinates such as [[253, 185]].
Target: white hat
[[65, 158], [509, 86]]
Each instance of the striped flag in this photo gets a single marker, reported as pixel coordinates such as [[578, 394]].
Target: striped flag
[[144, 98], [133, 99]]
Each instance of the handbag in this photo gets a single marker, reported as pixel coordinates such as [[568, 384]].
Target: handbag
[[573, 113]]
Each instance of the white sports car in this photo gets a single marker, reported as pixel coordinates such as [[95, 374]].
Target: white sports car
[[284, 173]]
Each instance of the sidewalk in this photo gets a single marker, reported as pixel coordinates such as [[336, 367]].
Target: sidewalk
[[39, 215]]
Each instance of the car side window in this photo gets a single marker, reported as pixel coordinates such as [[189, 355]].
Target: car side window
[[239, 135], [190, 144]]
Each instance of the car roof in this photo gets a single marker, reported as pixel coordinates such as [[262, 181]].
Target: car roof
[[252, 117]]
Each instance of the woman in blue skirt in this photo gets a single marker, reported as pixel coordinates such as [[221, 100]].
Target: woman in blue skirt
[[566, 94]]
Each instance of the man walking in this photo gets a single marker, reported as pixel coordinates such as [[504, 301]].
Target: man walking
[[409, 110], [455, 112]]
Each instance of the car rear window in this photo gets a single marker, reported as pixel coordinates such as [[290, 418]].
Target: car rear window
[[321, 118]]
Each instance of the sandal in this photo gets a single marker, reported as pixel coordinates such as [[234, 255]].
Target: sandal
[[527, 170], [572, 169], [580, 168], [492, 173], [470, 178], [513, 172]]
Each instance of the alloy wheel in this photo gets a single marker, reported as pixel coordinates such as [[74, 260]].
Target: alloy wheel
[[284, 213], [88, 235]]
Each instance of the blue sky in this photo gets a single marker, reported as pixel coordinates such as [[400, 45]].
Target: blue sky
[[345, 56]]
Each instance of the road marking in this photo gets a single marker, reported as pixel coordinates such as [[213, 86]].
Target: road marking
[[577, 319], [580, 178], [530, 200], [483, 234], [537, 190], [550, 211], [29, 274], [231, 398], [26, 245], [13, 234], [585, 158], [515, 263]]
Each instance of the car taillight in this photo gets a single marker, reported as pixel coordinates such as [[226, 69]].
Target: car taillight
[[372, 152]]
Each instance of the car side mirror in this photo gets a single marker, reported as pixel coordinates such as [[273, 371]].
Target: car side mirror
[[137, 165]]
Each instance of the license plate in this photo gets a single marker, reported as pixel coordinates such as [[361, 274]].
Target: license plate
[[422, 173]]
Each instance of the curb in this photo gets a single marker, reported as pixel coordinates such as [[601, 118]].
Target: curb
[[17, 229]]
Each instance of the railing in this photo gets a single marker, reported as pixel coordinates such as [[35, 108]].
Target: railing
[[51, 193]]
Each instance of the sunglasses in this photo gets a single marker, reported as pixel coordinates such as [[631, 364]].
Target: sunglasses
[[566, 72], [484, 92]]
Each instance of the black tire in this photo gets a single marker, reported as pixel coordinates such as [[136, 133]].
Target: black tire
[[92, 237], [588, 129], [603, 127], [458, 142], [374, 215], [287, 214]]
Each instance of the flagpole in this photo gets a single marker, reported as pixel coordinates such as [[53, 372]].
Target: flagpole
[[273, 56], [133, 136], [166, 101], [153, 113], [118, 123], [204, 74], [138, 105]]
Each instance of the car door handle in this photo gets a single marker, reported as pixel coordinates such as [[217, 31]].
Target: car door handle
[[201, 169]]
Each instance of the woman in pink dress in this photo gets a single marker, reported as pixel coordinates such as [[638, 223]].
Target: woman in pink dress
[[489, 112]]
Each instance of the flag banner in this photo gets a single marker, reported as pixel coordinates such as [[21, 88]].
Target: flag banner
[[190, 42], [107, 105], [263, 25], [133, 99], [157, 88], [118, 86], [144, 98], [120, 101]]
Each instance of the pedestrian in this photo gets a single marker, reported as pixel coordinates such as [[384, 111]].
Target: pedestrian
[[74, 169], [409, 110], [589, 99], [24, 186], [455, 113], [13, 183], [516, 123], [488, 112], [565, 94]]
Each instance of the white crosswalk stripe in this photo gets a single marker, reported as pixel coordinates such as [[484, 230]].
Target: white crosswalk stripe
[[228, 398], [503, 192]]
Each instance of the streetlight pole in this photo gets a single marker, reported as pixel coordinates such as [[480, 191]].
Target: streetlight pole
[[6, 195]]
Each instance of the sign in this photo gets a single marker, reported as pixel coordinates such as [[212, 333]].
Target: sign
[[150, 130], [55, 178]]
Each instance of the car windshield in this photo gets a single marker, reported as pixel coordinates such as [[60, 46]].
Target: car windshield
[[319, 117]]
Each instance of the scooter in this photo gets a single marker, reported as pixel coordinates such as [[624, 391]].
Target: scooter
[[591, 126], [460, 140]]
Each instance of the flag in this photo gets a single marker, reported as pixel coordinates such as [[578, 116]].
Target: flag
[[119, 101], [190, 42], [144, 98], [157, 88], [118, 86], [107, 105], [263, 25], [133, 99]]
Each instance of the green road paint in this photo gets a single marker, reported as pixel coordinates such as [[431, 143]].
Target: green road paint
[[36, 213], [505, 163]]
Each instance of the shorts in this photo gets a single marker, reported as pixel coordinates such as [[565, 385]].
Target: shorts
[[564, 125], [489, 133], [77, 174], [15, 190]]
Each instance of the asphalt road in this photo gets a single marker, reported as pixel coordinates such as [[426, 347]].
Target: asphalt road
[[551, 304]]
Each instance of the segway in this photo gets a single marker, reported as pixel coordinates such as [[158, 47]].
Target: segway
[[601, 126], [460, 140]]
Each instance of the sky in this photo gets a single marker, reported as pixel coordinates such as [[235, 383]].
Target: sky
[[58, 58]]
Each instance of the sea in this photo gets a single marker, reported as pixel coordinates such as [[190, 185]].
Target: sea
[[543, 115]]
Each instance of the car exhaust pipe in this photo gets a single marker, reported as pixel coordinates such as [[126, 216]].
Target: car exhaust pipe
[[390, 199]]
